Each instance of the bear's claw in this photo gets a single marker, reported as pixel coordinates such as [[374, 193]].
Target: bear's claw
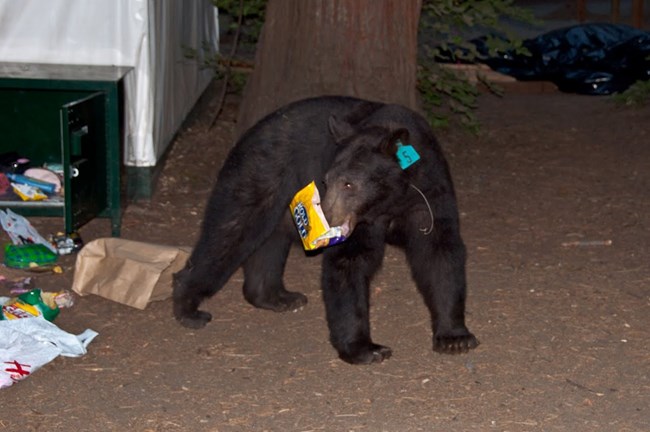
[[280, 302], [196, 320], [373, 353], [454, 344]]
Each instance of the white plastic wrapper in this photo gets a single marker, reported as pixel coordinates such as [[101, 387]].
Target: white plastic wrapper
[[29, 343], [20, 230]]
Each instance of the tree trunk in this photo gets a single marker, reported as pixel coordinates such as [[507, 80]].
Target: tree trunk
[[363, 48]]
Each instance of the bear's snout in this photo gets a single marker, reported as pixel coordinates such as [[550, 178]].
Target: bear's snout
[[337, 214]]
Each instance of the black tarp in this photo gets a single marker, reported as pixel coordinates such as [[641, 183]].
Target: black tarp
[[592, 59]]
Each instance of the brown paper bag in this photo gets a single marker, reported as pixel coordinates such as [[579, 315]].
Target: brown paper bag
[[129, 272]]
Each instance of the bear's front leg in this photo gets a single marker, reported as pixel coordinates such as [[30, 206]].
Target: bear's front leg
[[347, 271], [437, 263]]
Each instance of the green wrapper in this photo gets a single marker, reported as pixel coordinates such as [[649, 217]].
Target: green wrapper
[[28, 305]]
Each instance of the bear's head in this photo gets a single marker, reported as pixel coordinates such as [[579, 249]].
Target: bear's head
[[365, 181]]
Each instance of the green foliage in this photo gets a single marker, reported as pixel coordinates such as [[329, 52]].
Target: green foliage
[[638, 94], [252, 12], [237, 82], [252, 18], [205, 59], [445, 29], [444, 93]]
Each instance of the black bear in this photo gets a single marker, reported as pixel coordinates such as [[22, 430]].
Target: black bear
[[349, 147]]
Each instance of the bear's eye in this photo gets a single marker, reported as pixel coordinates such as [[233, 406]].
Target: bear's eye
[[347, 185]]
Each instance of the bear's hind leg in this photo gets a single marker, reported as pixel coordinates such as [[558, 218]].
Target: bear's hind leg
[[263, 271], [213, 261], [190, 289]]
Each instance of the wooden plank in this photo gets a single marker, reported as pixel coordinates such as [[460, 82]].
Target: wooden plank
[[581, 6], [616, 10], [637, 13]]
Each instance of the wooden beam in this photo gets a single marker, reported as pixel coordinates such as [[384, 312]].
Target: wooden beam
[[616, 10], [581, 6], [637, 13]]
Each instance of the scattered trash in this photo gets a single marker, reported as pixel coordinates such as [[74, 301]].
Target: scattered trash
[[28, 338], [66, 243], [19, 285], [29, 183], [49, 268], [128, 272], [40, 185], [4, 184], [46, 177], [28, 344], [28, 193], [30, 304], [29, 256], [313, 228], [56, 168], [63, 299], [21, 231]]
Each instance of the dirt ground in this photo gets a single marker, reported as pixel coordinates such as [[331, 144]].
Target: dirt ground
[[564, 323]]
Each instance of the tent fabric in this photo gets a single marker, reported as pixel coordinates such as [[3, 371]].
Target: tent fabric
[[149, 35]]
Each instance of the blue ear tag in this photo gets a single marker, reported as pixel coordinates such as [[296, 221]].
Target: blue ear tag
[[406, 155]]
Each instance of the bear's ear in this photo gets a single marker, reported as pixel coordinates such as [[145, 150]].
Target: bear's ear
[[398, 136], [340, 129]]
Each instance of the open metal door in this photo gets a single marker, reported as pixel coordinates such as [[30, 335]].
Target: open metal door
[[83, 142]]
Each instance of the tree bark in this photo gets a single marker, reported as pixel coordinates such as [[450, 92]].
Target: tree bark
[[363, 48]]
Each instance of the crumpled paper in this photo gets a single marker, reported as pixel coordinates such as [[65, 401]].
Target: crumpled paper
[[27, 344], [126, 271]]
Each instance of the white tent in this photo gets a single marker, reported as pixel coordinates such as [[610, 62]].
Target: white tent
[[150, 35]]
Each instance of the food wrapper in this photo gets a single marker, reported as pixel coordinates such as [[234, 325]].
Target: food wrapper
[[28, 256], [29, 305], [28, 193], [313, 228]]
